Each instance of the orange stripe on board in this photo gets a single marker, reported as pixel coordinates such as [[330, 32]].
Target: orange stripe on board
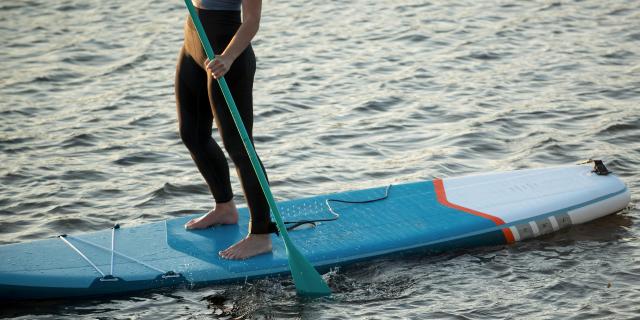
[[442, 198]]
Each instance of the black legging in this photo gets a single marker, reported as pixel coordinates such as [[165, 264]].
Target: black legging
[[200, 100]]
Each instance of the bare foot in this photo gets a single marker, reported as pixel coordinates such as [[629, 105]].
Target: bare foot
[[223, 213], [252, 245]]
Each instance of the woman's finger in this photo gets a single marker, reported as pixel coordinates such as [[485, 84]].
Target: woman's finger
[[218, 73], [215, 72], [209, 66], [218, 67], [218, 63]]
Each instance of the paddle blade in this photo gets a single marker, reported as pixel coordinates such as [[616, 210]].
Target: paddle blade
[[308, 281]]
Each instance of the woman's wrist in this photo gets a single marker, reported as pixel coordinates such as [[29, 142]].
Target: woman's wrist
[[228, 56]]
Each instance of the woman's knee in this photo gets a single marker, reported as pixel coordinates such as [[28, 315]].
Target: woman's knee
[[191, 139], [238, 153]]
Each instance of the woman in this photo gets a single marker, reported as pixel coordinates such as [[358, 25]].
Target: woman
[[200, 100]]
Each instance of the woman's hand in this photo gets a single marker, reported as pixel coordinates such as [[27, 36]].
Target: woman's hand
[[219, 66]]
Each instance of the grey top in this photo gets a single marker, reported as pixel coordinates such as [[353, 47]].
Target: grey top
[[218, 4]]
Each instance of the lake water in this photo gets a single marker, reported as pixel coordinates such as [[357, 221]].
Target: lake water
[[348, 95]]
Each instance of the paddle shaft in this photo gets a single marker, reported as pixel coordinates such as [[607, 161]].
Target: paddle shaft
[[292, 252]]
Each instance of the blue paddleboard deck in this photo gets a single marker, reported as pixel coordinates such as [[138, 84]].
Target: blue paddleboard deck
[[424, 216]]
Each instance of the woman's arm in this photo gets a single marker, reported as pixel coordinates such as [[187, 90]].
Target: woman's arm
[[251, 11]]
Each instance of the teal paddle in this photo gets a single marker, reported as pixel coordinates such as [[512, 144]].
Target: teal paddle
[[307, 280]]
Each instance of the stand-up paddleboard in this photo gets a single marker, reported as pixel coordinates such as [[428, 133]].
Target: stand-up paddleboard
[[443, 214]]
